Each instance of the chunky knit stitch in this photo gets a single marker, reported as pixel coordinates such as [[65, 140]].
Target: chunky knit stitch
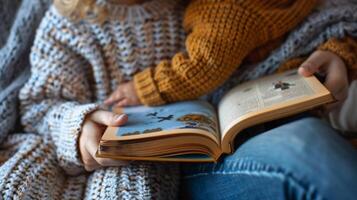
[[74, 65], [331, 19], [29, 170], [29, 162], [345, 48], [17, 28], [221, 35]]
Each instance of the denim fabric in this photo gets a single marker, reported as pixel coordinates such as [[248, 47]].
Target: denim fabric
[[304, 159]]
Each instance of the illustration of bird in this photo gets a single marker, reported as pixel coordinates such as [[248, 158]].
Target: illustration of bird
[[167, 118], [282, 85], [154, 114]]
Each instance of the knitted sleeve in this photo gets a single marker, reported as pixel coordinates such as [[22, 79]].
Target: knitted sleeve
[[55, 99], [220, 35]]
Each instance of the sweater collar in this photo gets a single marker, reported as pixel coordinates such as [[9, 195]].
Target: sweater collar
[[152, 9]]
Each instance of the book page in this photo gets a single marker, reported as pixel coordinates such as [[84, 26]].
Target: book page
[[260, 94], [198, 115]]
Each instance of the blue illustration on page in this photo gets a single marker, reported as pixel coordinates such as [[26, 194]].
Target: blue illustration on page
[[190, 114]]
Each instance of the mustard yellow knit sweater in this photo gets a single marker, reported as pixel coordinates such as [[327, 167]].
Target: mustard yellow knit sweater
[[220, 35]]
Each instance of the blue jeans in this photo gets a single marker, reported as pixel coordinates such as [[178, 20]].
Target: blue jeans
[[304, 159]]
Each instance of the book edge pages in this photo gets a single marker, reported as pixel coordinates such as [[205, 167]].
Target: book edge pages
[[109, 134], [160, 159]]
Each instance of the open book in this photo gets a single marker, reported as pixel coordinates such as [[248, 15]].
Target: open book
[[193, 131]]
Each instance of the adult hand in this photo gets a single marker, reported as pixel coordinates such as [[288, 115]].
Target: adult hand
[[334, 68], [124, 95], [92, 131]]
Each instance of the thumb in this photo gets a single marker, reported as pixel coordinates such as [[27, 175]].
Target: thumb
[[313, 63], [108, 118]]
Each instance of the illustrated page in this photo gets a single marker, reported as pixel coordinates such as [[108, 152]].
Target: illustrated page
[[260, 94], [182, 115]]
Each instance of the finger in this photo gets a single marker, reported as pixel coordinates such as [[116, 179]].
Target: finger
[[122, 103], [92, 167], [107, 162], [336, 80], [108, 118], [337, 83], [313, 63], [114, 97], [92, 147], [90, 163], [334, 106], [88, 134]]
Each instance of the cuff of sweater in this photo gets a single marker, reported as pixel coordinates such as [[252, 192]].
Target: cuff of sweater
[[68, 138], [146, 88], [345, 49]]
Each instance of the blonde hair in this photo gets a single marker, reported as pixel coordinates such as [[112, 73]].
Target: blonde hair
[[77, 10]]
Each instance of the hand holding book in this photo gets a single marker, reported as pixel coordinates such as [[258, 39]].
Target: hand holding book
[[92, 130], [194, 131], [124, 95], [333, 67]]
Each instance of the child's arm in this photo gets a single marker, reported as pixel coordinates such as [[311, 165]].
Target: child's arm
[[221, 34]]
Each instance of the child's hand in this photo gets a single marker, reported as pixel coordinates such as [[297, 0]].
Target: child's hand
[[92, 131], [333, 67], [124, 95]]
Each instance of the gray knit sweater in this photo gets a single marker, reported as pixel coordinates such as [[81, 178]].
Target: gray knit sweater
[[68, 63], [75, 66]]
